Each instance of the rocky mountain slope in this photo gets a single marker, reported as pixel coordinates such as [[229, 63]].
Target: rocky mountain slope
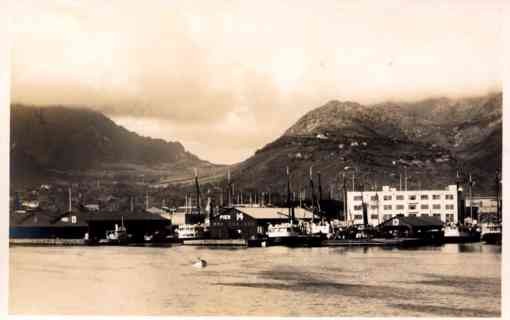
[[430, 139], [56, 139]]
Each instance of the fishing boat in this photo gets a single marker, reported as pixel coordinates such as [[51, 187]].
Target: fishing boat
[[291, 233], [491, 232], [461, 233], [118, 235], [190, 231]]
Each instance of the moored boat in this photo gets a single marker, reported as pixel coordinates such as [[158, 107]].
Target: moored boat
[[491, 232], [454, 233]]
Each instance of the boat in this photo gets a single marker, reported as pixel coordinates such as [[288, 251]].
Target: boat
[[291, 235], [190, 232], [491, 232], [199, 263], [117, 236], [322, 229], [461, 233]]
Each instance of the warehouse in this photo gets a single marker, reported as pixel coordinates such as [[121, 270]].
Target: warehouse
[[247, 222]]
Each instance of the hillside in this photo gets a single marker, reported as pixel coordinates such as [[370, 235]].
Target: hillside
[[431, 139], [50, 140]]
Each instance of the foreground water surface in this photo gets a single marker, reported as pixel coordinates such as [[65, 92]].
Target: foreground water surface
[[452, 280]]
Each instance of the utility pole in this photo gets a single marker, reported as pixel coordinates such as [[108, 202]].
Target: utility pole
[[405, 177], [70, 208], [344, 190], [471, 197]]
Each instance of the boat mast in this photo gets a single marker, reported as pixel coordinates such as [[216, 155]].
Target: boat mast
[[498, 196], [364, 205], [344, 196], [289, 205], [320, 194], [312, 193], [229, 191], [198, 190], [70, 207], [460, 211]]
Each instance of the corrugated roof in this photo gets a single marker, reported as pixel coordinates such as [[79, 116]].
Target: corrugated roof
[[274, 213]]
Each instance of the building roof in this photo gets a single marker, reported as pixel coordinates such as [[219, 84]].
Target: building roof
[[270, 213], [126, 216], [413, 221], [47, 219], [155, 210]]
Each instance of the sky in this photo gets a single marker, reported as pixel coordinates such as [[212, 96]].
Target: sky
[[227, 77]]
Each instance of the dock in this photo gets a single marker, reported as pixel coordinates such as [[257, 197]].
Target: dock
[[217, 242], [378, 242], [47, 242]]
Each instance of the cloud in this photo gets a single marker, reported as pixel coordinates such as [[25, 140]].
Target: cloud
[[242, 72]]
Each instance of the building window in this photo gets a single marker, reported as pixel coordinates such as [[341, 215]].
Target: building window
[[387, 217], [436, 206], [424, 197], [437, 215], [412, 215], [424, 206], [358, 198], [448, 196], [400, 207], [357, 208], [373, 207], [449, 207], [374, 198], [449, 217], [412, 197], [400, 197], [387, 198], [424, 215], [374, 217], [387, 207], [436, 196], [412, 207], [358, 217]]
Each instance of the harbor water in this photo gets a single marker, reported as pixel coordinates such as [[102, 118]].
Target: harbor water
[[451, 280]]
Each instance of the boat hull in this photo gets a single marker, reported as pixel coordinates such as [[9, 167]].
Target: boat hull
[[295, 241], [492, 238]]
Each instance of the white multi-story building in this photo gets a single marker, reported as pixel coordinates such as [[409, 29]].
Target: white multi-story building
[[389, 202]]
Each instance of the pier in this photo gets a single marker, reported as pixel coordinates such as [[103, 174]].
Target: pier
[[217, 242]]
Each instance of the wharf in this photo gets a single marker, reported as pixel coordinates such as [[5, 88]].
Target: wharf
[[217, 242], [47, 242], [377, 242]]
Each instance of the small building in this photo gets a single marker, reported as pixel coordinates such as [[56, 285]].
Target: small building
[[247, 222], [411, 226], [47, 225], [91, 207], [137, 223]]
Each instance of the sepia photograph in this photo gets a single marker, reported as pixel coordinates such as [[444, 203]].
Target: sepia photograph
[[231, 158]]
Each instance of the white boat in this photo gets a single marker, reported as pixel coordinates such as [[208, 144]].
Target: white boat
[[491, 232], [461, 233], [117, 236], [283, 230], [322, 228], [190, 231], [199, 263], [289, 234]]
